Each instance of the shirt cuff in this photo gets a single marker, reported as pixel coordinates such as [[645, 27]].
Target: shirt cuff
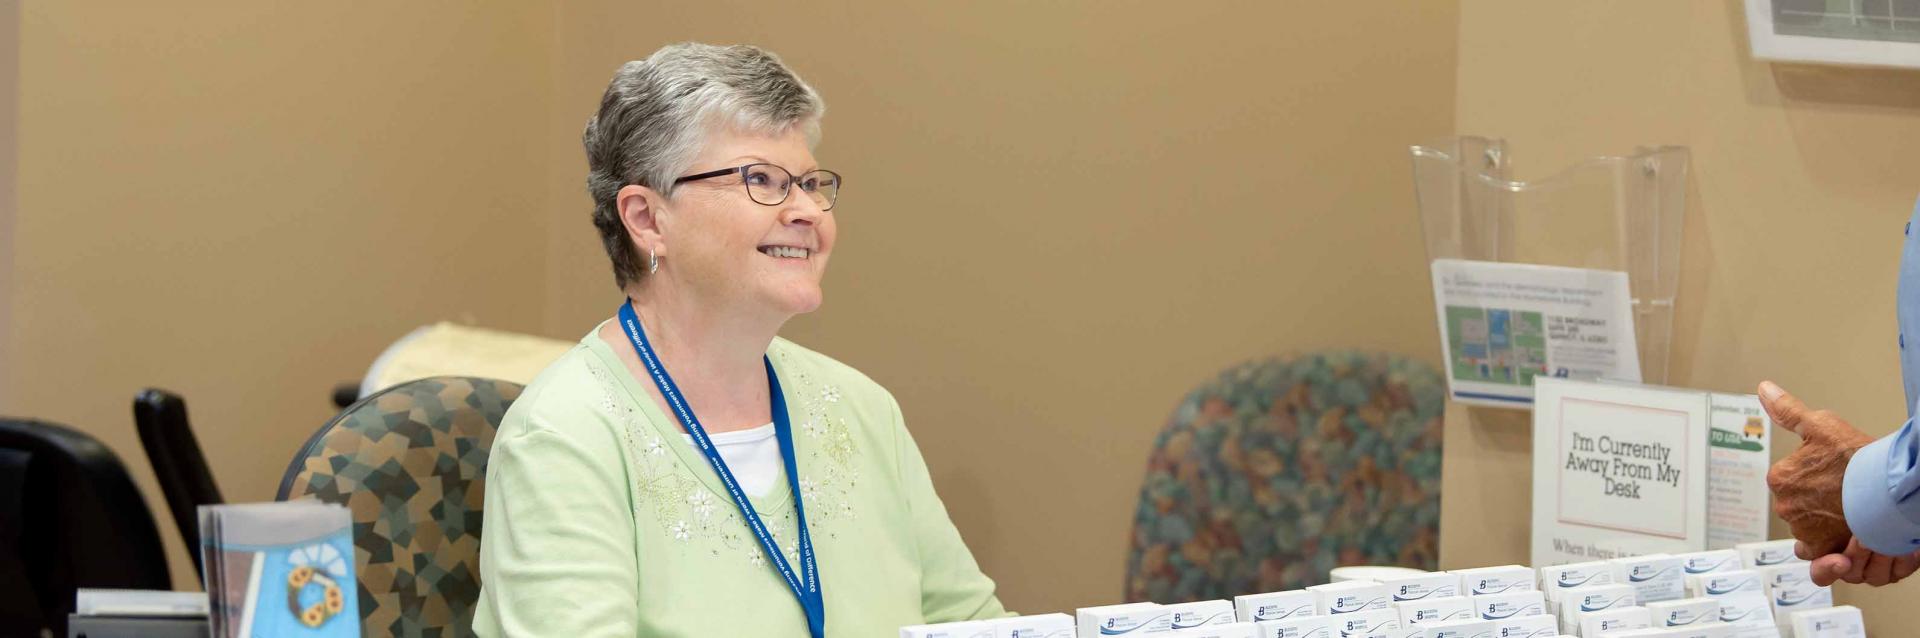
[[1872, 513]]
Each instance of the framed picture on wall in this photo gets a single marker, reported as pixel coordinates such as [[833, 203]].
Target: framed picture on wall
[[1854, 32]]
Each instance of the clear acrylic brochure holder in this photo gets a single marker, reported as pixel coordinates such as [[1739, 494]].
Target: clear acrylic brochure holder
[[1605, 213]]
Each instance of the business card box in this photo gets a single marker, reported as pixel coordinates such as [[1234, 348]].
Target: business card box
[[1726, 583], [1791, 587], [1218, 630], [1577, 602], [1460, 629], [1705, 631], [1351, 596], [1279, 605], [1380, 623], [1654, 577], [1838, 622], [964, 629], [1746, 609], [1422, 586], [1308, 626], [1685, 612], [1512, 604], [1035, 626], [1540, 626], [1200, 613], [1599, 623], [1558, 578], [1708, 562], [1421, 612], [1766, 553], [1129, 619], [1481, 581]]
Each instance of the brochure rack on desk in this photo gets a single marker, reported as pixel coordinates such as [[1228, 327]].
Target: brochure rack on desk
[[1605, 213]]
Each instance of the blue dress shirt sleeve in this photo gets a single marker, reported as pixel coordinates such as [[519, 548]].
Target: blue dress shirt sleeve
[[1879, 494], [1882, 478]]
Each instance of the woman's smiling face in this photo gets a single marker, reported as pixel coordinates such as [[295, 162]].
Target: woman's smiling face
[[728, 249]]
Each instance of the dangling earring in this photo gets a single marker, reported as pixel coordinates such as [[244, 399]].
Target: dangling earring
[[653, 262]]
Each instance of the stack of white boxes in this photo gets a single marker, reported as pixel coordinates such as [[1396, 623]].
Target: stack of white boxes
[[1501, 601], [1199, 619], [1722, 576], [1037, 626], [1758, 590]]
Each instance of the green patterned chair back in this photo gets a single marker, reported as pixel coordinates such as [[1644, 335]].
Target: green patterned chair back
[[1279, 470], [410, 462]]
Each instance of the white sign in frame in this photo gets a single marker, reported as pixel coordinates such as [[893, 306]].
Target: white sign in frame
[[1619, 470]]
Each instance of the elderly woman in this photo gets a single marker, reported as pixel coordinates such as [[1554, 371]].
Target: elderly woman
[[684, 471]]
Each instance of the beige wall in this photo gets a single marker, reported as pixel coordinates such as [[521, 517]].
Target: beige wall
[[244, 203], [9, 107], [1802, 179], [1061, 216]]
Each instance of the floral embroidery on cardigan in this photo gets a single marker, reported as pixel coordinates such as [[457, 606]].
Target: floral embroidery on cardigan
[[687, 511], [830, 478]]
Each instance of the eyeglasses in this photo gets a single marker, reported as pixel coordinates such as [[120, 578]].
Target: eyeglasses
[[769, 184]]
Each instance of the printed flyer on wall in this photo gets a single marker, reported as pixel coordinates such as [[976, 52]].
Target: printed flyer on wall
[[1503, 325], [1627, 469], [1738, 453]]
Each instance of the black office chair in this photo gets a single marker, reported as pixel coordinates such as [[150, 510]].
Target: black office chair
[[178, 465], [70, 517]]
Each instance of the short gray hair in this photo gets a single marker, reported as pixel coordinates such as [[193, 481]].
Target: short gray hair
[[657, 112]]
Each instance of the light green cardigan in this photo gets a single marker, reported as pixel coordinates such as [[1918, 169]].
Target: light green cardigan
[[601, 520]]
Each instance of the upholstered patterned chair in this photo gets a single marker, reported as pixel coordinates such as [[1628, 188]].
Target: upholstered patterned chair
[[1279, 470], [410, 462]]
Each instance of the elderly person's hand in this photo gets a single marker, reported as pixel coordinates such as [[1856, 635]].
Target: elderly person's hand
[[1806, 485], [1858, 565]]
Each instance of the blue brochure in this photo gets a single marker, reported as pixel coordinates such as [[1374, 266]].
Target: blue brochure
[[281, 569]]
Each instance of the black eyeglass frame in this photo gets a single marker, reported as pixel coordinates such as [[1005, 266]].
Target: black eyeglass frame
[[792, 181]]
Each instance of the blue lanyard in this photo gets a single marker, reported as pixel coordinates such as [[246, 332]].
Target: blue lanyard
[[805, 585]]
